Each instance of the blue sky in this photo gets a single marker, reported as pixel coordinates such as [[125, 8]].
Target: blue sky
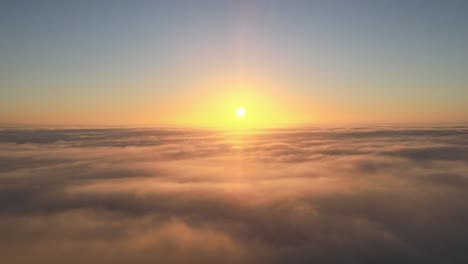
[[381, 61]]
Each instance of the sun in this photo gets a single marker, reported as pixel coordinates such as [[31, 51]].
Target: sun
[[240, 112]]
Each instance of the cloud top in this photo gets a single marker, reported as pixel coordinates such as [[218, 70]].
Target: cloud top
[[387, 194]]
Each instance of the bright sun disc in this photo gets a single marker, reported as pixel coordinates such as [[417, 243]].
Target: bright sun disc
[[240, 112]]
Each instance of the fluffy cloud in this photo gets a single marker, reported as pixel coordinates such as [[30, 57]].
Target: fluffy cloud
[[323, 195]]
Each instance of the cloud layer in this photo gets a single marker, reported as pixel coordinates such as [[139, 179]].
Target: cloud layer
[[312, 195]]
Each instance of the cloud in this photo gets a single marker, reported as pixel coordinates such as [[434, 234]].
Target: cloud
[[323, 195]]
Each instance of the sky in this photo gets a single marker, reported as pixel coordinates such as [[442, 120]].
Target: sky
[[192, 63]]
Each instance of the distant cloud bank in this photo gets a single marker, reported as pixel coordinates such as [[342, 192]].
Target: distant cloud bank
[[313, 195]]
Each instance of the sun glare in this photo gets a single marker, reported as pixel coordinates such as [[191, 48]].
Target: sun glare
[[240, 112]]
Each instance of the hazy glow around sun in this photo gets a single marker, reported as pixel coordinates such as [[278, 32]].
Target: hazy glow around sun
[[240, 112]]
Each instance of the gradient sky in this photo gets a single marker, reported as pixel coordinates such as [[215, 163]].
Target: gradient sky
[[194, 62]]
